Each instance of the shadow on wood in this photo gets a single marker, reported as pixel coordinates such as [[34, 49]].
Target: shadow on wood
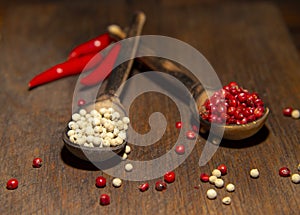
[[71, 160]]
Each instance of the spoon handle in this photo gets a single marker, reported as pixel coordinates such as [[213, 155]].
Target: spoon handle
[[120, 74], [162, 65]]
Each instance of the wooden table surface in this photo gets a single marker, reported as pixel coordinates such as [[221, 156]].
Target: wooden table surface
[[247, 43]]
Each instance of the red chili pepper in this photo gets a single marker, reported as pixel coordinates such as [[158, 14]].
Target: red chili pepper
[[104, 68], [67, 68], [94, 45]]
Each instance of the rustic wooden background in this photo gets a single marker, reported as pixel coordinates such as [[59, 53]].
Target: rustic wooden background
[[250, 43]]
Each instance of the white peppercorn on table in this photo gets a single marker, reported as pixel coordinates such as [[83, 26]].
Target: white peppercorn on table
[[246, 43]]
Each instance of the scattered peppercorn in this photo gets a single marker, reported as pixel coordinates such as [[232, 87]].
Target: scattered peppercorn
[[211, 194], [226, 200], [104, 199], [100, 181], [81, 102], [254, 173], [178, 125], [117, 182], [204, 177], [37, 162], [222, 168], [12, 184], [219, 183], [160, 186], [216, 173], [190, 135], [128, 167], [212, 179], [169, 177], [295, 114], [230, 187], [144, 187], [287, 111], [284, 172], [180, 149], [127, 149], [295, 178]]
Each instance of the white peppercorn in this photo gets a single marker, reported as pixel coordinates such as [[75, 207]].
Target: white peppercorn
[[110, 110], [117, 182], [219, 183], [128, 167], [230, 187], [90, 139], [76, 117], [116, 131], [82, 112], [212, 179], [81, 140], [97, 141], [127, 149], [124, 157], [110, 135], [254, 173], [70, 133], [94, 113], [122, 135], [295, 178], [126, 120], [107, 115], [226, 200], [295, 114], [118, 140], [216, 173], [211, 194], [73, 138], [102, 111], [96, 121]]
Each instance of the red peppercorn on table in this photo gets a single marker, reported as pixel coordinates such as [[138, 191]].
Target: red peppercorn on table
[[246, 43]]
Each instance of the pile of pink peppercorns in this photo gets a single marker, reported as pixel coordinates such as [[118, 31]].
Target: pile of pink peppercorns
[[233, 105]]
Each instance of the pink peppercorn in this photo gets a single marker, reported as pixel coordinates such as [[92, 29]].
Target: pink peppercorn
[[104, 199], [160, 186], [190, 135], [144, 187], [180, 149], [178, 125], [222, 168], [100, 181], [81, 102], [169, 177], [287, 111], [204, 177], [12, 184], [284, 172], [37, 162]]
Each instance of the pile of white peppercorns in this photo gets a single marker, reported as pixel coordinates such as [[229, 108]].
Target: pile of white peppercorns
[[101, 128]]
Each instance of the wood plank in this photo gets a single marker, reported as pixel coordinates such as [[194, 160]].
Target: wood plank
[[248, 43]]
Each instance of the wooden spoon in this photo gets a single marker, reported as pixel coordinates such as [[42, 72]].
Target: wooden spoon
[[231, 132], [107, 98]]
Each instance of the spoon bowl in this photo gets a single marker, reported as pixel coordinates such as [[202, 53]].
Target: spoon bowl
[[96, 154], [232, 132]]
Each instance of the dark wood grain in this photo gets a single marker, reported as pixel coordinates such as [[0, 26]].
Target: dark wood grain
[[247, 43]]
